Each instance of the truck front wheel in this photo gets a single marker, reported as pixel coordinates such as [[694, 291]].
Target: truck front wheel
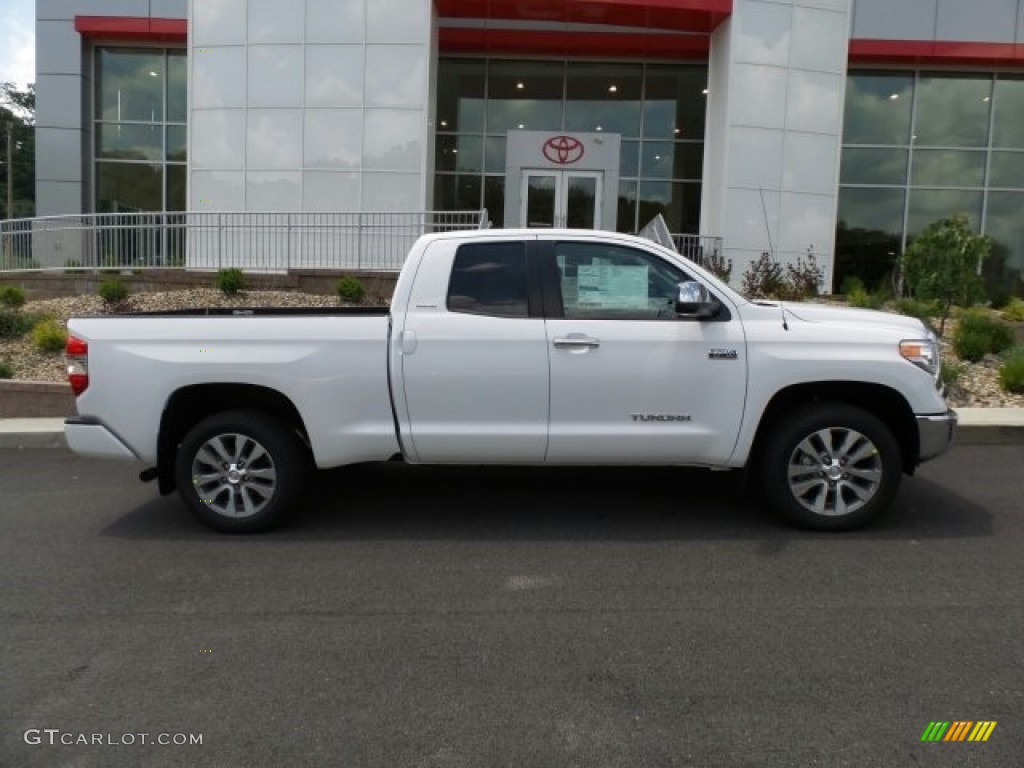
[[831, 466], [239, 471]]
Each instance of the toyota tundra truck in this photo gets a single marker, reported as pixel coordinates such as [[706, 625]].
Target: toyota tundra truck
[[528, 347]]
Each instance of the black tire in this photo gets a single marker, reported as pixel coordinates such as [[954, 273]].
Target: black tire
[[254, 471], [830, 467]]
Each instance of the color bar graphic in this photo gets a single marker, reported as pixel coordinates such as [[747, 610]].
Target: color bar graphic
[[958, 730]]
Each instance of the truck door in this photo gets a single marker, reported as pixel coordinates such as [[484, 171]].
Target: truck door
[[630, 381], [473, 355]]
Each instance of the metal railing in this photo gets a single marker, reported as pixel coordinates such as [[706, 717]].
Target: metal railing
[[700, 249], [259, 242]]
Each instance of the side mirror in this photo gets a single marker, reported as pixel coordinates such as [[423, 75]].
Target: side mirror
[[694, 301]]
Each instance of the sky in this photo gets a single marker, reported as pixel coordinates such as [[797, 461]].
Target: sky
[[17, 41]]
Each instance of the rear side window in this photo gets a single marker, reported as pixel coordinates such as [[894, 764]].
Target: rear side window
[[489, 279]]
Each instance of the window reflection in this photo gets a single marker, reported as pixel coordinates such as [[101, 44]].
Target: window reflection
[[878, 108], [868, 235], [948, 168], [953, 111], [930, 205], [603, 98], [524, 96], [873, 166], [1008, 128]]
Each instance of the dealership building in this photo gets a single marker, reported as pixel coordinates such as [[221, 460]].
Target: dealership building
[[840, 127]]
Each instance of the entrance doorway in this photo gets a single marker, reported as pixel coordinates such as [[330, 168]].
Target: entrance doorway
[[562, 199]]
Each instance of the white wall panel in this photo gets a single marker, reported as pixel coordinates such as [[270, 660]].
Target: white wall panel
[[275, 76], [273, 139]]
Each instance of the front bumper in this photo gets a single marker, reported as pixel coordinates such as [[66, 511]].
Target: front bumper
[[935, 434], [90, 438]]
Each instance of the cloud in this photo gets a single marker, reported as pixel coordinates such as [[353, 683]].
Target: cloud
[[18, 45]]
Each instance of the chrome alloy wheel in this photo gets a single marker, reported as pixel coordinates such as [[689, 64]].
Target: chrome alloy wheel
[[834, 471], [234, 475]]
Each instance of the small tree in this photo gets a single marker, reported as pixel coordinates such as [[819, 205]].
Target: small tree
[[943, 264]]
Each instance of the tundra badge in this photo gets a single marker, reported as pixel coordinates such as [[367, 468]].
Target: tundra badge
[[722, 354]]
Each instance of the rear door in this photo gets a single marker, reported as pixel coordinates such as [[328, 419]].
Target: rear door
[[473, 354], [630, 381]]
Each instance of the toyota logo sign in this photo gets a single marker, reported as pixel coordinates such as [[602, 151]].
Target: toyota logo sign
[[563, 150]]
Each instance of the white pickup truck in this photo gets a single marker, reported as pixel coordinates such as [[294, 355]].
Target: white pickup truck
[[517, 347]]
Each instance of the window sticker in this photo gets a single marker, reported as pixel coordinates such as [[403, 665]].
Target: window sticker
[[612, 287]]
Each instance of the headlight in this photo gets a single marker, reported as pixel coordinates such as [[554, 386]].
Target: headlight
[[924, 353]]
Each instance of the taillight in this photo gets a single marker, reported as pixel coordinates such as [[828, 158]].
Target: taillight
[[77, 355]]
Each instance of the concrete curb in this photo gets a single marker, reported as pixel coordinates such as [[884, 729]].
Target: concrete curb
[[978, 426]]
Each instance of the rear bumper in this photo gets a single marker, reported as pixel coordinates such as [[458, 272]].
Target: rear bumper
[[935, 434], [90, 438]]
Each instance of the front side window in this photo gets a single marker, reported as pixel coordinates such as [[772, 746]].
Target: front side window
[[612, 282], [489, 279]]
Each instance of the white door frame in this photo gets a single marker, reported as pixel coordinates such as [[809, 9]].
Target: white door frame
[[562, 184]]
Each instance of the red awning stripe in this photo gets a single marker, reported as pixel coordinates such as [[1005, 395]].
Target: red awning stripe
[[137, 28], [606, 45], [935, 53], [676, 15]]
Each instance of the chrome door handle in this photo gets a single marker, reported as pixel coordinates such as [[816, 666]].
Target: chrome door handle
[[576, 341]]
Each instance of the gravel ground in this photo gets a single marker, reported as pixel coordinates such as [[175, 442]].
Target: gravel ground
[[978, 386]]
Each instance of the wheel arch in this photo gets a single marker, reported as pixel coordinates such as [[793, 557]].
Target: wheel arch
[[189, 405], [883, 402]]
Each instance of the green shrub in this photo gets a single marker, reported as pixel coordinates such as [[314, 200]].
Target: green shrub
[[718, 265], [951, 372], [1011, 373], [350, 290], [49, 336], [12, 296], [72, 264], [230, 281], [804, 279], [922, 310], [15, 324], [6, 370], [852, 284], [1014, 310], [978, 335], [864, 300], [764, 279], [113, 291]]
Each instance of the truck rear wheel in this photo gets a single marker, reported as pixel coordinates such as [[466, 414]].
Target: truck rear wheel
[[239, 471], [831, 467]]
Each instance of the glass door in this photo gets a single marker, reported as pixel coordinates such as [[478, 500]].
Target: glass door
[[562, 199]]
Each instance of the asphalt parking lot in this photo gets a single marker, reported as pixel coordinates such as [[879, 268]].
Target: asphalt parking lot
[[508, 617]]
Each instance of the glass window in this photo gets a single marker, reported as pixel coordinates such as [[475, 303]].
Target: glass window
[[489, 279], [177, 87], [460, 96], [953, 110], [1008, 130], [948, 168], [494, 154], [129, 142], [525, 95], [494, 199], [675, 100], [869, 235], [626, 221], [678, 203], [1007, 170], [456, 193], [459, 153], [873, 166], [129, 187], [878, 107], [602, 282], [672, 160], [176, 185], [130, 85], [602, 97], [1006, 226], [930, 205], [177, 143], [629, 158]]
